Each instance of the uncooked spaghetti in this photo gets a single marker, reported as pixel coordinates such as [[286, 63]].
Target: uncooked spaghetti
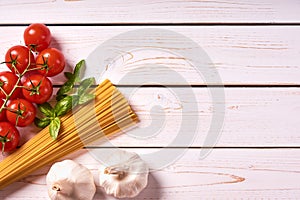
[[110, 109]]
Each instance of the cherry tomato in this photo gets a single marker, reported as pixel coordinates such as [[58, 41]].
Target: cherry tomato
[[37, 36], [51, 61], [37, 88], [2, 113], [20, 112], [8, 80], [18, 58], [9, 136]]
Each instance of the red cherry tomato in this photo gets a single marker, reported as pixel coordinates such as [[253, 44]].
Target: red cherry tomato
[[37, 36], [18, 58], [37, 88], [2, 113], [20, 112], [8, 80], [9, 136], [51, 61]]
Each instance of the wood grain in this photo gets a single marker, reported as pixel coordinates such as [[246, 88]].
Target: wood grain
[[225, 173], [145, 11], [241, 55], [254, 117], [250, 43]]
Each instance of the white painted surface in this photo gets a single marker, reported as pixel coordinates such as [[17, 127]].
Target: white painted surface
[[149, 11], [224, 174], [254, 117], [261, 119], [241, 54]]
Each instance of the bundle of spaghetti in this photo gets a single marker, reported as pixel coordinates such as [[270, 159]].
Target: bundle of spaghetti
[[108, 114]]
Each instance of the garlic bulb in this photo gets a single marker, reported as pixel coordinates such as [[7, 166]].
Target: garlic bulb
[[126, 175], [68, 180]]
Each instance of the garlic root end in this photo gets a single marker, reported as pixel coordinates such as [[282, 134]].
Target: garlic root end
[[56, 188]]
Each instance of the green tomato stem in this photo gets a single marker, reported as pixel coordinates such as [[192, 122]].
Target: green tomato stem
[[7, 96]]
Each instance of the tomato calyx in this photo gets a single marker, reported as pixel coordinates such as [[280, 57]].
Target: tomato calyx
[[35, 89], [1, 84], [9, 137], [44, 65], [33, 47], [4, 140], [19, 112], [13, 62]]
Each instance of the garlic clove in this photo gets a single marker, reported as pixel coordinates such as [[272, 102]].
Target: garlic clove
[[126, 178], [68, 180]]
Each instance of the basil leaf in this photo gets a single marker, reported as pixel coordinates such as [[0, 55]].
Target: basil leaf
[[84, 85], [46, 109], [72, 79], [85, 98], [66, 87], [78, 71], [68, 75], [54, 127], [60, 97], [63, 106], [75, 100], [42, 123]]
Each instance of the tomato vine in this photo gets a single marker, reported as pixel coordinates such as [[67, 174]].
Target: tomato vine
[[27, 81]]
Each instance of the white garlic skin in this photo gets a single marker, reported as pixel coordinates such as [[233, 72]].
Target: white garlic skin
[[125, 179], [68, 180]]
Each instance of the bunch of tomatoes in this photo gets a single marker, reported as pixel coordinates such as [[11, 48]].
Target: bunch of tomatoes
[[27, 82]]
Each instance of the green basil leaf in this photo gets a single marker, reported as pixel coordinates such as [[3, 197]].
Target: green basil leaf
[[63, 106], [46, 109], [78, 71], [85, 98], [54, 127], [72, 79], [66, 87], [42, 123], [75, 100], [68, 75], [60, 97], [85, 85]]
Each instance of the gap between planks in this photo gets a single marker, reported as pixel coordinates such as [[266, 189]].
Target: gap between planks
[[164, 24], [196, 147], [204, 86]]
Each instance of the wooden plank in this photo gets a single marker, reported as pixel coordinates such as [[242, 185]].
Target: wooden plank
[[240, 55], [254, 117], [224, 174], [144, 11]]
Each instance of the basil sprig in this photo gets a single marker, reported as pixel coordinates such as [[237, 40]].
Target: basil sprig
[[72, 93]]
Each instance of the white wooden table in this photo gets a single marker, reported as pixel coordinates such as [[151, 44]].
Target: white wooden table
[[254, 45]]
